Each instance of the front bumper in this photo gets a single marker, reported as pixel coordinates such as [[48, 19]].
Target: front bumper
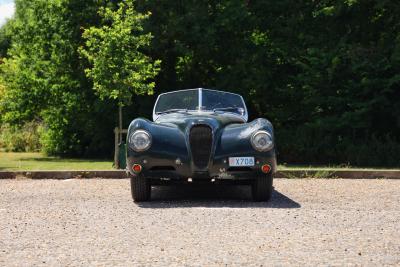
[[178, 168]]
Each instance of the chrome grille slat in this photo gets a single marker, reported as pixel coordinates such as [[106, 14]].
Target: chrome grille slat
[[200, 145]]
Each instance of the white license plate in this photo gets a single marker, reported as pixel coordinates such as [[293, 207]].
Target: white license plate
[[241, 161]]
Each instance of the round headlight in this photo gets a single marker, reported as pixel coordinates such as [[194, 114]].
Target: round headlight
[[262, 141], [140, 140]]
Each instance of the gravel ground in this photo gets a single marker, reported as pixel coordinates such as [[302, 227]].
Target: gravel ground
[[95, 223]]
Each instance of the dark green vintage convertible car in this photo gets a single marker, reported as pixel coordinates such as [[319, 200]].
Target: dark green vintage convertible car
[[200, 135]]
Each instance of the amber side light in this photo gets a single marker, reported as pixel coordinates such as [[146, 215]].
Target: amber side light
[[266, 168], [137, 168]]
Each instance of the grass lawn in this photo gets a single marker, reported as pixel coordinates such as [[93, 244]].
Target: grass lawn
[[39, 162], [331, 168]]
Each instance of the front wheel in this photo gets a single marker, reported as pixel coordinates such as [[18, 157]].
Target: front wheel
[[140, 189], [262, 188]]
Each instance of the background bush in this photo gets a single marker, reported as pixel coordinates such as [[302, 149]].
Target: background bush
[[21, 139], [326, 73]]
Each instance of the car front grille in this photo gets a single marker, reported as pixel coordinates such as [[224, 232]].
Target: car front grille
[[200, 144]]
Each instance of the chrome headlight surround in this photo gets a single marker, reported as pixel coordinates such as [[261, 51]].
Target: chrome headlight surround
[[140, 140], [262, 141]]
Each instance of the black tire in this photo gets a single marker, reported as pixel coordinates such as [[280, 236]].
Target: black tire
[[140, 189], [262, 188]]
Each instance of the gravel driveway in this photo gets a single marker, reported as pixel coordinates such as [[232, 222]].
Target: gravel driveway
[[94, 222]]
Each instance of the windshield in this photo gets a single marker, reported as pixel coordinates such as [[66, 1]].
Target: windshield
[[185, 100], [217, 100], [200, 100]]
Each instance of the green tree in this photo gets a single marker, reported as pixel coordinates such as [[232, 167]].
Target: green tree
[[44, 78], [326, 73], [119, 67]]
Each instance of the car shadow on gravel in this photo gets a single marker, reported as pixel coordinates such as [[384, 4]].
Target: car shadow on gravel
[[213, 196]]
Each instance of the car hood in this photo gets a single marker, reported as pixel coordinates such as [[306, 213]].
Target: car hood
[[183, 120]]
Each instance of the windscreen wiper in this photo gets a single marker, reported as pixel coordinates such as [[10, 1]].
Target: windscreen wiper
[[227, 108], [172, 110]]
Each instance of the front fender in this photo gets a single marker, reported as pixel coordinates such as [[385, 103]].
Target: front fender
[[235, 139], [167, 139]]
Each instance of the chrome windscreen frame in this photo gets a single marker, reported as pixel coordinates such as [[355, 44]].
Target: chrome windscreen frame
[[244, 117]]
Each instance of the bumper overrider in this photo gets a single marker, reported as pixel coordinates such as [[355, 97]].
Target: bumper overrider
[[171, 155]]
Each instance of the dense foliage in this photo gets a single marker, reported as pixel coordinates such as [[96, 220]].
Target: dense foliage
[[45, 80], [326, 73]]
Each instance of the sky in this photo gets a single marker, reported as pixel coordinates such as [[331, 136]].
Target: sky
[[7, 8]]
